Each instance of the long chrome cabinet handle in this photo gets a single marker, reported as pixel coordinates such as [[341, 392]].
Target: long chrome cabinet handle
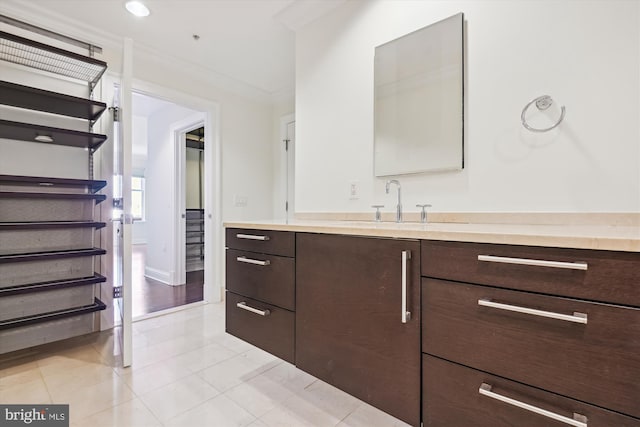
[[485, 390], [576, 317], [535, 262], [243, 305], [252, 261], [406, 315], [252, 237]]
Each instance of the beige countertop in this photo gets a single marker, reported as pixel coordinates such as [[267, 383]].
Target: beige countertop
[[624, 236]]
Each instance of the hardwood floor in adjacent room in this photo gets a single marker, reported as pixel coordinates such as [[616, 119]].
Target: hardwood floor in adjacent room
[[151, 295]]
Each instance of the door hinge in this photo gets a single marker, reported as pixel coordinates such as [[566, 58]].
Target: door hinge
[[117, 292], [286, 144], [118, 203], [116, 113], [286, 206]]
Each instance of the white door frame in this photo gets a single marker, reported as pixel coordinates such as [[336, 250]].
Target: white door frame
[[213, 258], [287, 169]]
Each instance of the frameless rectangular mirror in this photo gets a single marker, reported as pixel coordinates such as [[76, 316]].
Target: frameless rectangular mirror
[[418, 100]]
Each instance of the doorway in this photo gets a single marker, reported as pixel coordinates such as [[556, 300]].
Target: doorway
[[194, 211], [157, 283]]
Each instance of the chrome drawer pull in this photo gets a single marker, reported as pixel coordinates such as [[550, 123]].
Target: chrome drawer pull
[[535, 262], [485, 390], [243, 305], [406, 315], [252, 261], [576, 317], [252, 237]]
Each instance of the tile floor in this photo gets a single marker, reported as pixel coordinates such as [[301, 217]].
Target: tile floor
[[186, 372]]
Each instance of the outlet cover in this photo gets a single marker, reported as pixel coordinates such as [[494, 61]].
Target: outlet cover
[[354, 190]]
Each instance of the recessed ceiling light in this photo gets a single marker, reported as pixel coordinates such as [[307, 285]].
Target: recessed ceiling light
[[137, 8]]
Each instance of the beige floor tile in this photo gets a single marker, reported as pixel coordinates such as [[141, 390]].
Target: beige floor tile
[[259, 394], [319, 404], [141, 340], [367, 416], [289, 376], [330, 399], [129, 414], [298, 412], [261, 357], [92, 399], [180, 396], [155, 322], [203, 357], [58, 363], [29, 392], [232, 372], [146, 356], [258, 423], [153, 376], [64, 382], [19, 374], [167, 349], [219, 411], [232, 343], [162, 334]]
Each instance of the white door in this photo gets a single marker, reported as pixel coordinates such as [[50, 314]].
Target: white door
[[122, 217]]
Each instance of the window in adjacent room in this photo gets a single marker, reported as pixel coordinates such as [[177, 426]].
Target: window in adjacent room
[[137, 197]]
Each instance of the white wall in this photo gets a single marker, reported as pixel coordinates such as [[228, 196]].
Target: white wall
[[140, 142], [584, 54]]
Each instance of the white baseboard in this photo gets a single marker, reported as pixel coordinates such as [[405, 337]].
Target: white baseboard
[[159, 275]]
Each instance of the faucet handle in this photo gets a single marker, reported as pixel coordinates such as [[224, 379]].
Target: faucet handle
[[423, 214], [378, 216]]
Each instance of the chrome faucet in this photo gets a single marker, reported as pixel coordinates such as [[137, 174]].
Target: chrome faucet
[[399, 207]]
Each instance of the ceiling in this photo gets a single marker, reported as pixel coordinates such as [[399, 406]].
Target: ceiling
[[249, 41]]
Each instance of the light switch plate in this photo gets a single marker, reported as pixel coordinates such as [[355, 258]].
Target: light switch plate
[[240, 201]]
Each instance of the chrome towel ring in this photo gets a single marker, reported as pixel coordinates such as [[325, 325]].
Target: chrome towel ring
[[542, 102]]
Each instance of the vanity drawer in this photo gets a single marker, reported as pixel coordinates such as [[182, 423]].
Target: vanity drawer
[[451, 397], [268, 278], [609, 276], [281, 243], [597, 362], [266, 326]]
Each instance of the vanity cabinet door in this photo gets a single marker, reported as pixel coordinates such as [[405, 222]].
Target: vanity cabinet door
[[349, 326], [458, 396], [581, 349]]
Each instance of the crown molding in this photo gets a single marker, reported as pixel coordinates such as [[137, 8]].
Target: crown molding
[[111, 43]]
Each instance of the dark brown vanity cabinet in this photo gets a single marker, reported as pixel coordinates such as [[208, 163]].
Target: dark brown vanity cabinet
[[260, 282], [356, 328], [510, 341]]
